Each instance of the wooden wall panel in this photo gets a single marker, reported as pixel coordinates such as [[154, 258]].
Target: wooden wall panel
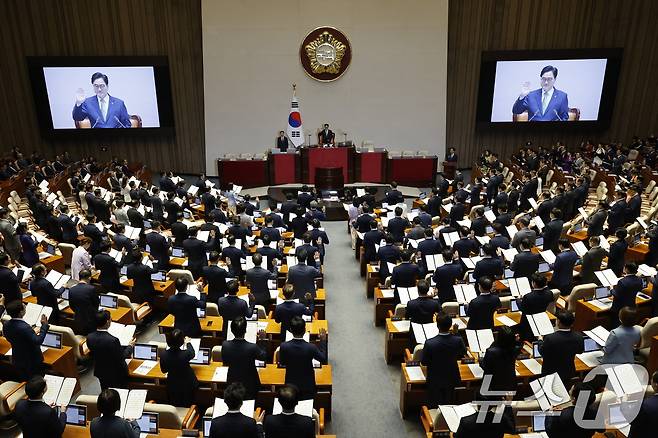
[[482, 25], [169, 28]]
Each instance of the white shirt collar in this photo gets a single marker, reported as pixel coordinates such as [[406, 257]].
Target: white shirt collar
[[549, 93], [107, 100]]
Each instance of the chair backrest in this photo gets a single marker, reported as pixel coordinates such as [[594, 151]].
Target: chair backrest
[[451, 307], [10, 392], [650, 187], [549, 175], [653, 194], [216, 353], [505, 171], [400, 311], [632, 154], [647, 333], [260, 311], [168, 417], [90, 402], [578, 293], [418, 353], [275, 356], [212, 309], [551, 306], [67, 252], [68, 181], [69, 339], [175, 274]]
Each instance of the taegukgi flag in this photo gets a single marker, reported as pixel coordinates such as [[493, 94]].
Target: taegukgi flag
[[295, 131]]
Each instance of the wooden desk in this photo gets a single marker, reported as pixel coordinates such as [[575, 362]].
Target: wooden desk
[[413, 393], [382, 306], [60, 361], [80, 432], [578, 236], [588, 316], [637, 253], [121, 315], [372, 280], [55, 262]]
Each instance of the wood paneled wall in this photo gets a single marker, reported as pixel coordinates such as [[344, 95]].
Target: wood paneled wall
[[482, 25], [105, 28]]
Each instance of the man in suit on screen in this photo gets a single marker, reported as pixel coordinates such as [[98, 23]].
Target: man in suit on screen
[[546, 104], [102, 110]]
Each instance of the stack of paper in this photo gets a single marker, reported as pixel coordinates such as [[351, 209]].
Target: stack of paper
[[506, 320], [533, 203], [132, 233], [479, 340], [519, 286], [591, 358], [124, 333], [549, 391], [423, 332], [401, 326], [607, 278], [407, 294], [470, 262], [145, 367], [540, 324], [203, 235], [511, 230], [476, 370], [132, 403], [464, 293], [387, 293], [539, 223], [59, 390], [452, 414], [483, 239], [490, 215], [624, 380], [220, 374], [647, 271]]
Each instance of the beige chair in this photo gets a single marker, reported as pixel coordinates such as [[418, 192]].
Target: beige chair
[[549, 176], [647, 333], [216, 353], [471, 215], [418, 353], [654, 194], [451, 308], [601, 191], [77, 343], [551, 306], [68, 182], [632, 154], [650, 187], [67, 252], [10, 394], [400, 311], [175, 274], [139, 311], [578, 293]]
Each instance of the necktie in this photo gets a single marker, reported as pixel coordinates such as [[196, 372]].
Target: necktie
[[544, 102], [104, 109]]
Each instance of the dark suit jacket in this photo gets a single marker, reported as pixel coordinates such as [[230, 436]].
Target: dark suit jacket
[[489, 266], [617, 257], [387, 254], [240, 356], [37, 420], [396, 227], [617, 215], [302, 278], [109, 267], [625, 292], [441, 355], [479, 226], [46, 296], [235, 254], [394, 196], [563, 269], [282, 143], [405, 275], [84, 301], [109, 358], [25, 344], [275, 234], [113, 427], [525, 264], [469, 427], [181, 380], [646, 420], [9, 285], [96, 236], [230, 307], [216, 279], [480, 311], [196, 252], [286, 311], [457, 213], [371, 238], [159, 246], [286, 426], [465, 246], [564, 425], [183, 307], [595, 223], [257, 279], [558, 351], [557, 109], [234, 425], [552, 232], [633, 209], [445, 277], [69, 229], [591, 262], [500, 364], [422, 310], [297, 355], [143, 285]]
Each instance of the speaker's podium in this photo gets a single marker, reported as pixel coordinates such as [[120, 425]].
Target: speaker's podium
[[339, 159], [449, 169]]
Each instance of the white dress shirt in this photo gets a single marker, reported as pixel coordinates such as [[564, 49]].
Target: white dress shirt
[[80, 259]]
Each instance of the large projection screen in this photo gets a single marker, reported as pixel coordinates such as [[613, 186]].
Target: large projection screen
[[393, 94]]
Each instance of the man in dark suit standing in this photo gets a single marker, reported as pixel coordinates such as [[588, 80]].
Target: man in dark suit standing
[[195, 250], [302, 277], [625, 292], [525, 263], [397, 225], [421, 310], [95, 234], [84, 301], [565, 260], [140, 273], [535, 301], [445, 276], [481, 309], [44, 291], [69, 228], [231, 306], [159, 245], [591, 261], [288, 423], [633, 205], [406, 274], [109, 269], [240, 355], [234, 423], [388, 253], [174, 214], [289, 308], [215, 277], [370, 239], [466, 245], [282, 142], [394, 196], [101, 207], [646, 422], [595, 221], [297, 356], [269, 230], [9, 285], [441, 355], [479, 223], [257, 280], [34, 417], [490, 265], [135, 217], [559, 349], [25, 344], [553, 230], [617, 215], [428, 246], [109, 355], [183, 306], [233, 256]]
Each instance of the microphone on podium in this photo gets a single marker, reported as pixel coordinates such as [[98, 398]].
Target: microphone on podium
[[533, 116]]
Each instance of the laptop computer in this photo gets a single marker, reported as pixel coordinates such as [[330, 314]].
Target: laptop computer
[[52, 340], [148, 423], [539, 241], [177, 252], [206, 422], [147, 224], [109, 301], [202, 357], [514, 305], [538, 422], [601, 292], [145, 352], [509, 273], [159, 276], [535, 350]]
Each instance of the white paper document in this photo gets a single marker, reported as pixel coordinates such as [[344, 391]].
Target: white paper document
[[434, 261], [407, 294], [519, 286], [59, 390], [580, 248], [423, 332], [124, 333], [540, 324], [132, 403], [598, 334], [464, 293], [532, 365], [304, 407], [549, 391], [452, 414], [506, 320], [402, 326], [220, 408], [479, 340], [220, 374], [416, 374]]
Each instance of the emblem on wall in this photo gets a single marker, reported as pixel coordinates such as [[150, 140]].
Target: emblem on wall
[[325, 54]]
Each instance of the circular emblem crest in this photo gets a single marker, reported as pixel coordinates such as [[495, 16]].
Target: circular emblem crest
[[325, 54]]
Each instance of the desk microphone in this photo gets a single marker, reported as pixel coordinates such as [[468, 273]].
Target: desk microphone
[[96, 122], [558, 115], [117, 119], [533, 116]]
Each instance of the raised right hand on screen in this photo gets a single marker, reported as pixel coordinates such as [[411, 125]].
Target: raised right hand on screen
[[525, 89], [79, 96]]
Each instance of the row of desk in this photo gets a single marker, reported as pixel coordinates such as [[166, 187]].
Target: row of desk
[[375, 166]]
